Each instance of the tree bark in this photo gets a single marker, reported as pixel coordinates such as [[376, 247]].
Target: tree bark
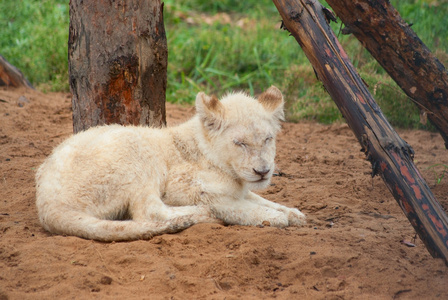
[[117, 63], [382, 31], [10, 76], [391, 157]]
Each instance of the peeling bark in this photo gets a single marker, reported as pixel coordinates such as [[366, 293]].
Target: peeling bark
[[392, 42], [117, 63], [391, 156]]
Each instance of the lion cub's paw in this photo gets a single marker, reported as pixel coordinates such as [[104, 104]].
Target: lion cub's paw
[[296, 217]]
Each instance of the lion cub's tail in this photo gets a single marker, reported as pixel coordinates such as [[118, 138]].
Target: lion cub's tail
[[89, 227]]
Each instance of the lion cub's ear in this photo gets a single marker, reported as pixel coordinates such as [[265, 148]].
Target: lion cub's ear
[[210, 111], [272, 101]]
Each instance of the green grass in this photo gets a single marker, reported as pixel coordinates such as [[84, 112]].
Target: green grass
[[439, 171], [33, 37], [217, 46], [247, 51]]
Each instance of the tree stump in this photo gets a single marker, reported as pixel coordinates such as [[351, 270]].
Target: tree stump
[[117, 63]]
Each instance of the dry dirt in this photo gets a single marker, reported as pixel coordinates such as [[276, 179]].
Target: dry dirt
[[350, 249]]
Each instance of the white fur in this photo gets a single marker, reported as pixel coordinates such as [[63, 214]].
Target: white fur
[[114, 183]]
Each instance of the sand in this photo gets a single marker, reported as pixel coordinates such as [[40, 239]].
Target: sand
[[351, 247]]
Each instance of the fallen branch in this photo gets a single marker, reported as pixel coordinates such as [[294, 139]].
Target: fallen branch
[[10, 76], [391, 41]]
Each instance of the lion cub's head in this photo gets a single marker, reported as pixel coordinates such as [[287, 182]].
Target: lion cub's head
[[239, 132]]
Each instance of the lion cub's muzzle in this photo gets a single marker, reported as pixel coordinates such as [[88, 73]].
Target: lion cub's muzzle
[[263, 173]]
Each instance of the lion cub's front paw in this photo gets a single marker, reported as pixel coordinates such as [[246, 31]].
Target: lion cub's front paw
[[296, 217]]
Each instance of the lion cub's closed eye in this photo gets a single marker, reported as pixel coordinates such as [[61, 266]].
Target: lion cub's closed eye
[[114, 183]]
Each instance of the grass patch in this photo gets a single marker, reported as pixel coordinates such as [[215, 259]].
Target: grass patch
[[217, 46], [34, 38], [220, 52]]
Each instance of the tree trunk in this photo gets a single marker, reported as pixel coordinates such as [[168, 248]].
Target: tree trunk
[[391, 157], [382, 31], [117, 63], [10, 76]]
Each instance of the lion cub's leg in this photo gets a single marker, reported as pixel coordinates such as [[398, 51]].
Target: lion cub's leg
[[295, 216], [152, 207], [254, 210], [245, 212]]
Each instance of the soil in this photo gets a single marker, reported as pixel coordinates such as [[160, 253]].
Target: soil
[[351, 248]]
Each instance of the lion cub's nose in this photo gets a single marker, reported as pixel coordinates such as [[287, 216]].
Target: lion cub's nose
[[261, 172]]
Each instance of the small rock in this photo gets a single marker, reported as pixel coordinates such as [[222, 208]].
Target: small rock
[[157, 240], [266, 223], [106, 280], [22, 101]]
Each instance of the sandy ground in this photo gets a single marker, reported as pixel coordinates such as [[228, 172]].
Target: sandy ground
[[350, 249]]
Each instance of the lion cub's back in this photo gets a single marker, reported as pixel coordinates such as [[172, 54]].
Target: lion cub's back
[[100, 156], [108, 144]]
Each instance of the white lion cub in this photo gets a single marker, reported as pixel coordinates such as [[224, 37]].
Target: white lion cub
[[115, 183]]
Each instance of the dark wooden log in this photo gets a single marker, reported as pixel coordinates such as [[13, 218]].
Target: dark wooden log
[[391, 157], [382, 31], [10, 76], [117, 63]]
